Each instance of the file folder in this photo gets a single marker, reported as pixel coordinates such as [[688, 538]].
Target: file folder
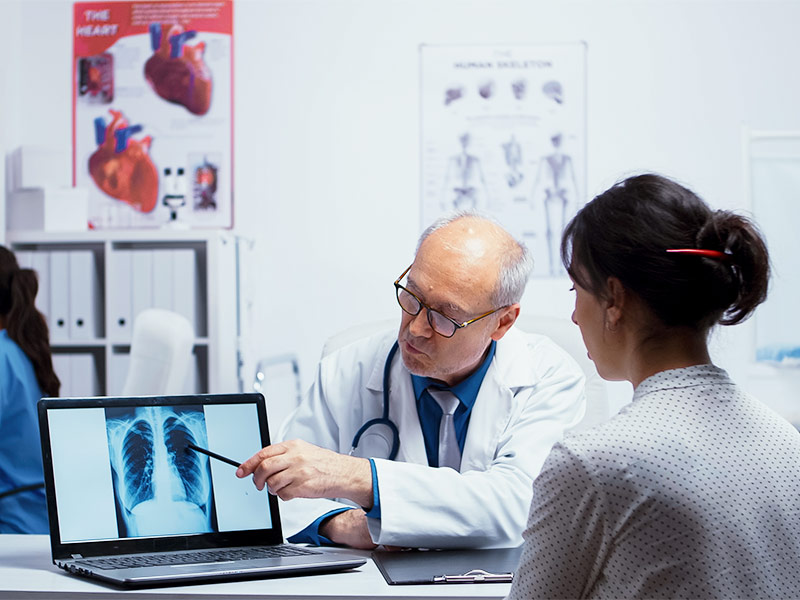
[[83, 291], [184, 285], [59, 296], [141, 281], [421, 567], [41, 264], [63, 368], [162, 279], [120, 276]]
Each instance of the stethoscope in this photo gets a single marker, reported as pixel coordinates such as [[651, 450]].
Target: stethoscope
[[384, 420]]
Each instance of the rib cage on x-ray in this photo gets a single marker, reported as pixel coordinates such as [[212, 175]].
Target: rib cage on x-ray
[[156, 473]]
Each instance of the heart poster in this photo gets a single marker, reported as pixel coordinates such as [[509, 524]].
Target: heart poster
[[152, 113]]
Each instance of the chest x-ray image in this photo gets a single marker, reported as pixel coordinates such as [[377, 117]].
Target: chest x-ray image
[[160, 487]]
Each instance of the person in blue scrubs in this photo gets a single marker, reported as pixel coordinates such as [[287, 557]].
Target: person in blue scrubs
[[26, 374]]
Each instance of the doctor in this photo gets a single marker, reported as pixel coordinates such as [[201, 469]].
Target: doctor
[[404, 472]]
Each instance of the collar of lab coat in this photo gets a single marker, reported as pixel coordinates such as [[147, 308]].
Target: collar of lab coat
[[493, 406]]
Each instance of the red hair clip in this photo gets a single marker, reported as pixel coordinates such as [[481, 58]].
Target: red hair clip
[[709, 253]]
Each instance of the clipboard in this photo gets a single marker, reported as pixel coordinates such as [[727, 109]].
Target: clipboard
[[424, 567]]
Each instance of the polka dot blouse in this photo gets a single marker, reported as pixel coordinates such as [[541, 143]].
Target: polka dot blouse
[[691, 491]]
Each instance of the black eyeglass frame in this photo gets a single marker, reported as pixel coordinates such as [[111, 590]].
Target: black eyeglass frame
[[456, 324]]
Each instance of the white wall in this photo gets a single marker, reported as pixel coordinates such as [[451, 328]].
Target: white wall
[[327, 130]]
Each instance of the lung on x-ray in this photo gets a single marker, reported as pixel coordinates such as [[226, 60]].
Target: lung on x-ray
[[160, 487]]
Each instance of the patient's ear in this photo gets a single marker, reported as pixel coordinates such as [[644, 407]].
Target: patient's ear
[[615, 301], [508, 317]]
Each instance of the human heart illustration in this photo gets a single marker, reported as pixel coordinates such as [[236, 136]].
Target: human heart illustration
[[121, 166], [176, 71]]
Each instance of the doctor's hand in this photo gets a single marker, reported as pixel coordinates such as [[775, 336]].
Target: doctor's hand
[[348, 528], [297, 469]]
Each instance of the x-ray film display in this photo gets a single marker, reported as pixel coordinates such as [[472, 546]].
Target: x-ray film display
[[127, 472], [775, 188], [503, 132], [161, 487]]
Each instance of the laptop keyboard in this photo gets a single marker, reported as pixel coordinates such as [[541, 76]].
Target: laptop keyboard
[[202, 556]]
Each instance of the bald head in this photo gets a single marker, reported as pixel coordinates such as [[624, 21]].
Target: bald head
[[481, 253]]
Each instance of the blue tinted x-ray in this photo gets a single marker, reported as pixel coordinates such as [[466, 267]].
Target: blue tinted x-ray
[[160, 486]]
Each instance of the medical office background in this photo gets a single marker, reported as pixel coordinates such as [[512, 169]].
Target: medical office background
[[326, 180]]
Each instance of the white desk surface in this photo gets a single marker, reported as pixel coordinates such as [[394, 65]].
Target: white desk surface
[[27, 572]]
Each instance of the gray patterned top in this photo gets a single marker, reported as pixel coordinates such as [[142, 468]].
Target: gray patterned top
[[691, 491]]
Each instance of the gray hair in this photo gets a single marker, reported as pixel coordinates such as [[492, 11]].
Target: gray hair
[[516, 264]]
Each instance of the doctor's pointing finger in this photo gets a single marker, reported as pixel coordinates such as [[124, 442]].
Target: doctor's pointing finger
[[297, 469]]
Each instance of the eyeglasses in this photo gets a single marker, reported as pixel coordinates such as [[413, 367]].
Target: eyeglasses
[[440, 323]]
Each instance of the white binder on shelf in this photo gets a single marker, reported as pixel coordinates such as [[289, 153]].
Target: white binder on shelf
[[184, 285], [83, 375], [41, 264], [83, 291], [120, 290], [141, 281], [162, 278], [59, 296], [118, 365], [63, 368], [24, 259]]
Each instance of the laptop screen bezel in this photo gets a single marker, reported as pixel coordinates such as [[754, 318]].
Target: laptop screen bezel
[[254, 537]]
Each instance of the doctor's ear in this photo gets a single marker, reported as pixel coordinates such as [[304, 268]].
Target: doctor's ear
[[508, 317]]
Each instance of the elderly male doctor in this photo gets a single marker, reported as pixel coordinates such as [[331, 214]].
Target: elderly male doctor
[[476, 406]]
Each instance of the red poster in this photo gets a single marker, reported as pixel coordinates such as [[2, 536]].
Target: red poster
[[153, 112]]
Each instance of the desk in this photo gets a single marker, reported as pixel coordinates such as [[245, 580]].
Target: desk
[[27, 572]]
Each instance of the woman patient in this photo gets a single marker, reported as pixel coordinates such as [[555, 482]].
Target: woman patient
[[692, 490], [26, 373]]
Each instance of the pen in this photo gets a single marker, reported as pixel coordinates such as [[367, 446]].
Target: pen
[[212, 454]]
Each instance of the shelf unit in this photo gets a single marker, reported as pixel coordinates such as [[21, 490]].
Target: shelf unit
[[110, 276]]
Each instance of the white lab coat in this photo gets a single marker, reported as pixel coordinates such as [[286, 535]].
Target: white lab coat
[[532, 393]]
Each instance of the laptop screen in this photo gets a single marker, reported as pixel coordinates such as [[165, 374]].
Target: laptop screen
[[121, 468]]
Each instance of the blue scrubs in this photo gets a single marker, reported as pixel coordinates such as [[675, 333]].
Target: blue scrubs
[[20, 446]]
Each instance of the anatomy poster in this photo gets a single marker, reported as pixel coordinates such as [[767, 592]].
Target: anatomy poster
[[504, 132], [152, 112]]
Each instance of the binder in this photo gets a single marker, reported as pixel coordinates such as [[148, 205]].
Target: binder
[[24, 258], [141, 281], [162, 279], [59, 296], [118, 365], [417, 567], [120, 275], [83, 375], [184, 285], [41, 264], [63, 368], [83, 289]]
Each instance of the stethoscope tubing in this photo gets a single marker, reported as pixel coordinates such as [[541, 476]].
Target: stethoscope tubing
[[383, 420]]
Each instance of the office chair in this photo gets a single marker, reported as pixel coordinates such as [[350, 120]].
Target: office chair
[[562, 331], [161, 352], [567, 335]]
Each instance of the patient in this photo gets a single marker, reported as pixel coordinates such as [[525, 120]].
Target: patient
[[692, 490], [26, 373]]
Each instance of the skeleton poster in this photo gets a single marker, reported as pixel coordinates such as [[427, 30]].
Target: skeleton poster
[[152, 112], [503, 132]]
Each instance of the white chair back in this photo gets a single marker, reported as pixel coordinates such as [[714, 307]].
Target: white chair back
[[567, 335], [161, 351]]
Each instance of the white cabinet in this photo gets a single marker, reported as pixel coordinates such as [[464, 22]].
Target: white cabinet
[[93, 284]]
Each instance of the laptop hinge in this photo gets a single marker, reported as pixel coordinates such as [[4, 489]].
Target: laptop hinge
[[76, 556]]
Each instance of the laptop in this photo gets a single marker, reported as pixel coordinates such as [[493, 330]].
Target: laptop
[[132, 504]]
